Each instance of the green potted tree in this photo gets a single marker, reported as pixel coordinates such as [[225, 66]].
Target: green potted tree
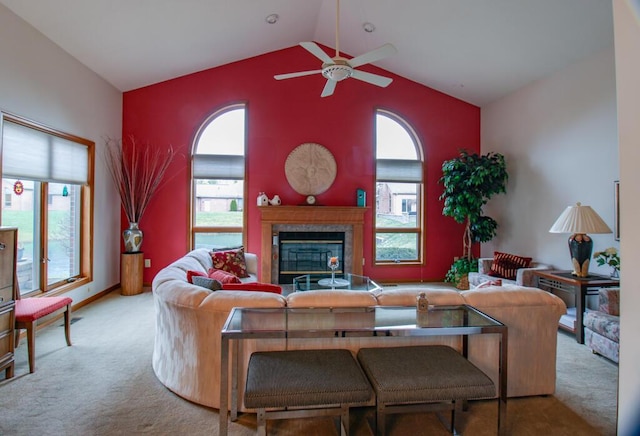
[[469, 181]]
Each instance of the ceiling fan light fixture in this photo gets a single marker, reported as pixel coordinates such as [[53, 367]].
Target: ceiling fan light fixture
[[337, 72], [336, 69]]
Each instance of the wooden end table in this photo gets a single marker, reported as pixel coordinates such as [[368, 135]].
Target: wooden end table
[[563, 284]]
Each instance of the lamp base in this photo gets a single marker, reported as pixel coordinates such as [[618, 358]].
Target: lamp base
[[580, 247]]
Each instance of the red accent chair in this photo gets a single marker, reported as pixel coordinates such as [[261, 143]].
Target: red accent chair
[[30, 310]]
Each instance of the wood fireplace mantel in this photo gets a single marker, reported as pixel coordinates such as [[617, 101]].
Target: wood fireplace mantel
[[320, 215]]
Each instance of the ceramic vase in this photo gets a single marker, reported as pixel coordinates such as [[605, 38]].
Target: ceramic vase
[[132, 238]]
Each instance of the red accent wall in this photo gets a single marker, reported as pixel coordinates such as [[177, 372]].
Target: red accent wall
[[283, 115]]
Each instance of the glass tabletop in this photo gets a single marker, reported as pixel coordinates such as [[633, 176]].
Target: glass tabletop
[[393, 320], [352, 282]]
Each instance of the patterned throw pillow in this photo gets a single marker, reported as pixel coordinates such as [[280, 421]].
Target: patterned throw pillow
[[223, 276], [506, 265], [206, 282], [231, 261]]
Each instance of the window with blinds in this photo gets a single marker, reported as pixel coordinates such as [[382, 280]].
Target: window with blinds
[[218, 172], [47, 179], [399, 179]]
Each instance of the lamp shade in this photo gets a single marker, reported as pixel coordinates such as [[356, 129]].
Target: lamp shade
[[579, 219]]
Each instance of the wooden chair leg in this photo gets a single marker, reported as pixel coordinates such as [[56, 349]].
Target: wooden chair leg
[[67, 324], [16, 342], [31, 346]]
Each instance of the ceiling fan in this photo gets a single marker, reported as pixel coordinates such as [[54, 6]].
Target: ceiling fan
[[339, 68]]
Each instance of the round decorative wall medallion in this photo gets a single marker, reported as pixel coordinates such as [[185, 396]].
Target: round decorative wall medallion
[[310, 169]]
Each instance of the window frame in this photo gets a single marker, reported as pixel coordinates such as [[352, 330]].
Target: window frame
[[418, 230], [41, 204], [194, 229]]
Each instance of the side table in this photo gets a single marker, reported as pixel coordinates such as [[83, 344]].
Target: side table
[[131, 270], [573, 289]]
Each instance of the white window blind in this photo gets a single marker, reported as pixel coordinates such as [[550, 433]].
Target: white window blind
[[217, 166], [398, 170], [30, 154]]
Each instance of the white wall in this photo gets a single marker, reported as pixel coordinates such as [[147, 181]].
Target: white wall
[[559, 137], [626, 16], [40, 81]]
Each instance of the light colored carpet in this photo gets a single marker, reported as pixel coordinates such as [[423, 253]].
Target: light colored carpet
[[104, 385]]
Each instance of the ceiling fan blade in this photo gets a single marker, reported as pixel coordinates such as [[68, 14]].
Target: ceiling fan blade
[[373, 55], [329, 87], [315, 50], [298, 74], [374, 79]]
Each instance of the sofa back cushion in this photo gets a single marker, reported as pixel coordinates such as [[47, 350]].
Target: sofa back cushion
[[406, 296], [331, 298]]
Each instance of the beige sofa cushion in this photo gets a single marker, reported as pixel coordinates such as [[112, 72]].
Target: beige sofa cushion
[[407, 297], [331, 298]]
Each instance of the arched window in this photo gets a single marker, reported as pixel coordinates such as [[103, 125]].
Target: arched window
[[398, 219], [218, 180]]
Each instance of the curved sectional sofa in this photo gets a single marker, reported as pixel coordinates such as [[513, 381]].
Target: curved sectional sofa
[[186, 355]]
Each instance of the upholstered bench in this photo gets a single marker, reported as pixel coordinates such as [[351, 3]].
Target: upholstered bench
[[422, 378], [304, 383]]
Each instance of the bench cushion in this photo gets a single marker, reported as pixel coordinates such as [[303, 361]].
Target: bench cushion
[[304, 378], [419, 374], [31, 309]]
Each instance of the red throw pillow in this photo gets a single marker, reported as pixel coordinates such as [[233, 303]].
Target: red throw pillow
[[223, 276], [253, 286], [232, 261], [191, 274], [506, 265]]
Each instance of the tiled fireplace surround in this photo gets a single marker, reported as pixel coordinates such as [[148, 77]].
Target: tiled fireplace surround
[[275, 219]]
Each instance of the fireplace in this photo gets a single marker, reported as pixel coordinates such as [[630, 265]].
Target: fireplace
[[278, 220], [308, 253]]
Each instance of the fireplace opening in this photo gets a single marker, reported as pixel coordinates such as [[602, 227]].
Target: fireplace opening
[[309, 253]]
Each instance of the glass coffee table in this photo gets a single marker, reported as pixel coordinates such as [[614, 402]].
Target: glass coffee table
[[351, 282]]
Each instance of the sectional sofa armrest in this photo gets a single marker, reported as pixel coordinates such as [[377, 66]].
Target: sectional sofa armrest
[[609, 301], [525, 276], [251, 260]]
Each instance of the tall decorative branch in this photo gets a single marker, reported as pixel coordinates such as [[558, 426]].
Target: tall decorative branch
[[137, 173]]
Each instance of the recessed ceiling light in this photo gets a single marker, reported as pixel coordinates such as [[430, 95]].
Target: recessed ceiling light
[[368, 27], [272, 19]]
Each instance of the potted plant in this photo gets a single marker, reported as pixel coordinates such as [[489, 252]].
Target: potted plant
[[469, 181], [137, 173], [459, 272], [609, 257]]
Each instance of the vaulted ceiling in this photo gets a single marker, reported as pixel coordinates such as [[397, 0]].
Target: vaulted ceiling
[[475, 50]]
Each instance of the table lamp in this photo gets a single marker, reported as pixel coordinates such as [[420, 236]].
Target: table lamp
[[580, 220]]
